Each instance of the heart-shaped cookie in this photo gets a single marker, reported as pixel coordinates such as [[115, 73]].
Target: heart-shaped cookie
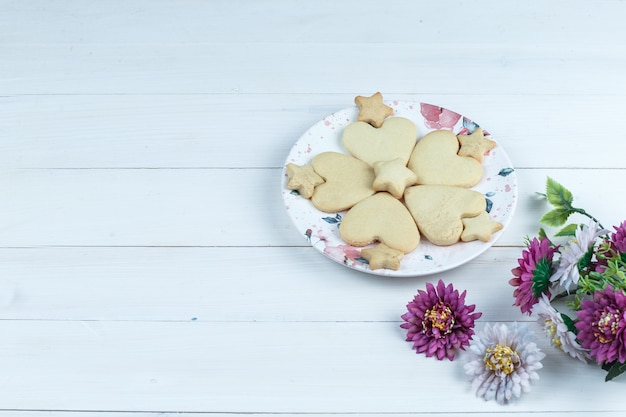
[[394, 139], [380, 218], [435, 161], [347, 181], [438, 210]]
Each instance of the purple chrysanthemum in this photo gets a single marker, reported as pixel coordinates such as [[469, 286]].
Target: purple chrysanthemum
[[618, 238], [532, 276], [438, 322], [602, 325]]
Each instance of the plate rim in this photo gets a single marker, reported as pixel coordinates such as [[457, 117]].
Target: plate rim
[[361, 265]]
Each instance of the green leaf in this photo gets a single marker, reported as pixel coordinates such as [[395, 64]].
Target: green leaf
[[586, 259], [614, 369], [541, 277], [569, 230], [556, 217], [575, 303], [558, 195], [569, 323], [542, 234]]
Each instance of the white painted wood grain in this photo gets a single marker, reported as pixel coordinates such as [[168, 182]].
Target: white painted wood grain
[[235, 130], [243, 68], [275, 367], [534, 22], [429, 48], [228, 284], [147, 265], [218, 207], [29, 413]]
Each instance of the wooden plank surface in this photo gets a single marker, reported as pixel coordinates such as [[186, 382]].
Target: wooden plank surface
[[147, 264], [195, 131], [202, 284], [195, 366], [217, 207]]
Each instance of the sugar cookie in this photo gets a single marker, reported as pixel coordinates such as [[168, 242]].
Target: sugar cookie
[[480, 228], [382, 256], [380, 218], [435, 161], [394, 139], [347, 181], [303, 179], [393, 176], [438, 210], [372, 110], [475, 145]]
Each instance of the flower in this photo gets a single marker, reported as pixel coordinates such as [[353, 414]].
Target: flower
[[568, 273], [618, 238], [503, 361], [532, 275], [601, 325], [557, 330], [438, 322], [590, 271]]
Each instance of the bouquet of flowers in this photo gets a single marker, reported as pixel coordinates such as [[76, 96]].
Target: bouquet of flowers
[[582, 270], [582, 267]]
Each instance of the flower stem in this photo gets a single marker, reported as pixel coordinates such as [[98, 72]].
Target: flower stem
[[584, 213]]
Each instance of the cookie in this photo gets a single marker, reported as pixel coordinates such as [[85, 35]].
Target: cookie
[[347, 181], [383, 257], [435, 161], [393, 176], [394, 139], [372, 110], [380, 218], [438, 210], [480, 228], [303, 179], [475, 145]]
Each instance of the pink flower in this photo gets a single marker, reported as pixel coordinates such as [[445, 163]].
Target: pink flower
[[437, 117], [438, 322], [601, 325], [532, 276]]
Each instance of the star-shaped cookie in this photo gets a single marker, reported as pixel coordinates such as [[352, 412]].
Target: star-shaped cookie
[[393, 176], [475, 145], [372, 110], [382, 256], [303, 179], [480, 228]]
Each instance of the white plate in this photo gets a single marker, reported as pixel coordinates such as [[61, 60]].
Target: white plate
[[321, 230]]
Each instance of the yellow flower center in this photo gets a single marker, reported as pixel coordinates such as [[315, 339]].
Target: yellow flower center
[[550, 328], [439, 320], [501, 359], [606, 326]]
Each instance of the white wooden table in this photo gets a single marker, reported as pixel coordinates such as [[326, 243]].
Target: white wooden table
[[147, 264]]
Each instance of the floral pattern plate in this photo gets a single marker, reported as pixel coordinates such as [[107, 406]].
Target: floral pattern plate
[[321, 230]]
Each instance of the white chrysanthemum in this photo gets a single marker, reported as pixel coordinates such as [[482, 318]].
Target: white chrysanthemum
[[557, 330], [503, 362], [567, 274]]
